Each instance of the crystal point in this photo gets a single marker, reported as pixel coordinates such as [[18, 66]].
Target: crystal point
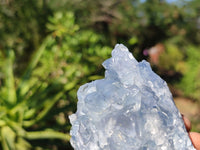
[[130, 109]]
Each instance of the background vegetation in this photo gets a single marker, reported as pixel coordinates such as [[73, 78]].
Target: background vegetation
[[49, 48]]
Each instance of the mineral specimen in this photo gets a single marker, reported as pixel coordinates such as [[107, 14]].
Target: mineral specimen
[[130, 109]]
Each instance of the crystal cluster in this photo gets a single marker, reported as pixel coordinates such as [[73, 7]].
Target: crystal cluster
[[130, 109]]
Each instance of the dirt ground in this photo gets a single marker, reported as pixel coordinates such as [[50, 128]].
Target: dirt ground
[[190, 109]]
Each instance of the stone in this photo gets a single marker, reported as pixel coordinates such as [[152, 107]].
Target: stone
[[130, 109]]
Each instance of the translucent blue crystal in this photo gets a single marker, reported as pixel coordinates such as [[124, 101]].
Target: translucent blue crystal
[[130, 109]]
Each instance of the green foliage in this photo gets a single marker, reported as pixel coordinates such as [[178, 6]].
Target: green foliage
[[171, 58], [190, 83], [22, 28], [47, 90], [24, 103], [151, 21]]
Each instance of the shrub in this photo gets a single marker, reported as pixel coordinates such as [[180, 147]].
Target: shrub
[[36, 105], [190, 83]]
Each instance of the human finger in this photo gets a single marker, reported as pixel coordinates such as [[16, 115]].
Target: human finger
[[195, 138], [187, 123]]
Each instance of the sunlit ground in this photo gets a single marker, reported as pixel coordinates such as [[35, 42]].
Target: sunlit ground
[[190, 109]]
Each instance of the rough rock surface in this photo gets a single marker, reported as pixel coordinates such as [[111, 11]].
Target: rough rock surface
[[130, 109]]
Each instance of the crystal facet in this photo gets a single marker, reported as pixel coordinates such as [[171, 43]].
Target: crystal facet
[[130, 109]]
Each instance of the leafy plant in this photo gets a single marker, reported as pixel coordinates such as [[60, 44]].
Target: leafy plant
[[36, 105], [171, 58], [24, 103], [190, 83]]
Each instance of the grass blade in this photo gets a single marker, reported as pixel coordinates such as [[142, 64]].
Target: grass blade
[[48, 105], [23, 87], [9, 78], [48, 134]]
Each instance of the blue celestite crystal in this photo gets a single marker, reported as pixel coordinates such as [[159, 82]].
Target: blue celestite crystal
[[130, 109]]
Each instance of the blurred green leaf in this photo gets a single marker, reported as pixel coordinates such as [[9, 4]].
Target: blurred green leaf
[[8, 138], [47, 134], [190, 83], [133, 40], [10, 82]]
